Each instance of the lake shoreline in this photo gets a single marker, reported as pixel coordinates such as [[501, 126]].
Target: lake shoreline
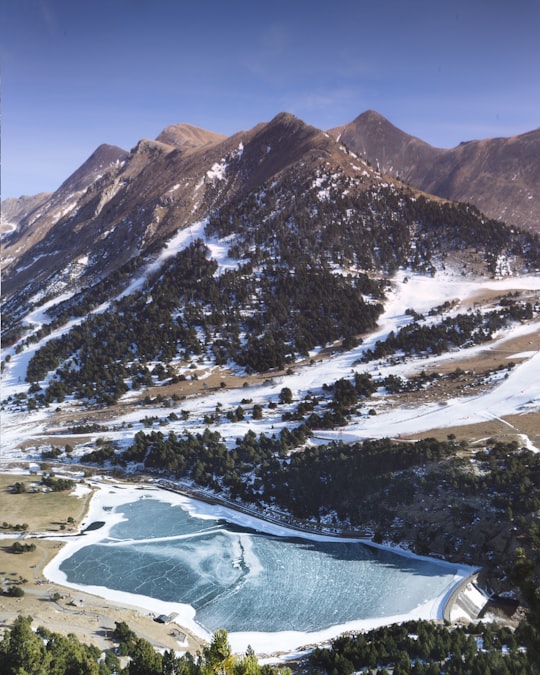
[[62, 609], [102, 603], [215, 508]]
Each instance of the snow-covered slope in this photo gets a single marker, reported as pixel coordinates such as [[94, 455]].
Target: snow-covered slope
[[516, 392], [275, 258]]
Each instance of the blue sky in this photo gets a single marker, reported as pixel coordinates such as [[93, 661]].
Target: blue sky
[[78, 73]]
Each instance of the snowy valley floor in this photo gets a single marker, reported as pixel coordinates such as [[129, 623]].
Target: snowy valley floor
[[509, 402]]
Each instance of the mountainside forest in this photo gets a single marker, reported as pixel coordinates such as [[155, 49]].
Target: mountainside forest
[[270, 320]]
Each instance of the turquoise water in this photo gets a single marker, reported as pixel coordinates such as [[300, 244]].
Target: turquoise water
[[243, 580]]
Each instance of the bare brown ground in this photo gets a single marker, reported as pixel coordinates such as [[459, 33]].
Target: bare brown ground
[[212, 383], [506, 429], [470, 382], [491, 357]]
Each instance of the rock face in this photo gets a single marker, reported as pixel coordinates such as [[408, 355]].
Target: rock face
[[32, 219], [500, 176], [15, 208]]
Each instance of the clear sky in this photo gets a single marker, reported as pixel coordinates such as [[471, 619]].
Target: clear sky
[[78, 73]]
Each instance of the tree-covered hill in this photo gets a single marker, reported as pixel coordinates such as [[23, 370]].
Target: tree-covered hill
[[310, 271]]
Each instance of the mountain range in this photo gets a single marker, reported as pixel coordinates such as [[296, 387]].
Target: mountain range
[[120, 204], [310, 224], [305, 285]]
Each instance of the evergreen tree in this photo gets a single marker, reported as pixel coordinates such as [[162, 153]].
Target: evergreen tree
[[22, 652]]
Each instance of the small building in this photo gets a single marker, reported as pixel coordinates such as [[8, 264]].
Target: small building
[[166, 618]]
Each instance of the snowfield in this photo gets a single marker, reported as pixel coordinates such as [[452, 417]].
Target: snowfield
[[517, 393]]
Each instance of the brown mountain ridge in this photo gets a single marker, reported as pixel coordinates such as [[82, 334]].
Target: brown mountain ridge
[[140, 198], [500, 176], [119, 205]]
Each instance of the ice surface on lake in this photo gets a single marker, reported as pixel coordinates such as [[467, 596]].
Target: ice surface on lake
[[243, 580]]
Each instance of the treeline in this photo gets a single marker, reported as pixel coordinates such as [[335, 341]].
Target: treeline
[[185, 310], [462, 330], [358, 481], [374, 228], [43, 652], [351, 227], [80, 304], [447, 226], [425, 648], [91, 297], [205, 459], [12, 330], [100, 358]]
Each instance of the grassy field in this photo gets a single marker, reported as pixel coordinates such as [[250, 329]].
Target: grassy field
[[42, 511], [93, 618]]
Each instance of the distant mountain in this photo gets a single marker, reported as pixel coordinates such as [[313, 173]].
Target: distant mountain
[[385, 146], [14, 209], [34, 218], [188, 136], [500, 176]]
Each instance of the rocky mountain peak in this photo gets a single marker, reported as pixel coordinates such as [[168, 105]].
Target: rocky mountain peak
[[384, 145], [120, 206], [289, 124], [501, 176], [188, 136], [102, 159]]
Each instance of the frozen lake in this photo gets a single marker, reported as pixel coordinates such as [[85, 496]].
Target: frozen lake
[[245, 580]]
